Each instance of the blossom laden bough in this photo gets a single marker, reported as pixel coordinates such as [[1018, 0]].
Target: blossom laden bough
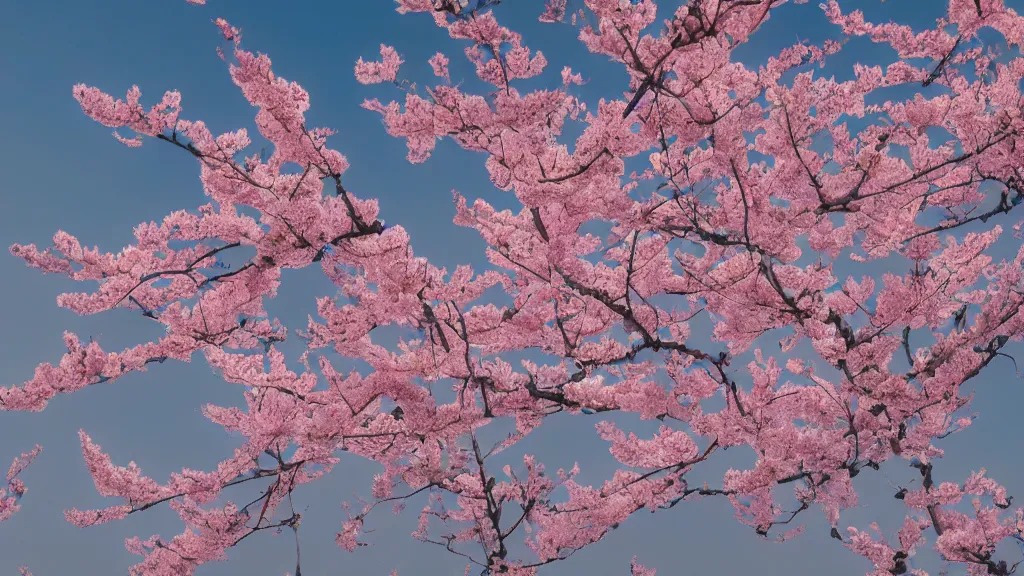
[[10, 496]]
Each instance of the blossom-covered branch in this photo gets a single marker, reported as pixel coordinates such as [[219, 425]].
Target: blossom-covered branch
[[15, 487]]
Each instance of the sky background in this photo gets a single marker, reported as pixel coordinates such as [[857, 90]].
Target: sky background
[[61, 170]]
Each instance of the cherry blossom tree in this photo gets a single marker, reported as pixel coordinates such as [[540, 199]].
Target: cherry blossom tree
[[735, 195]]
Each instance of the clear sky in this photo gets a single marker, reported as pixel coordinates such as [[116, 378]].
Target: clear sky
[[60, 170]]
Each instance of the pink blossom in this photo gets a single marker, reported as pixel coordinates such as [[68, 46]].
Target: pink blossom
[[15, 487], [439, 63], [639, 570], [554, 11], [384, 71]]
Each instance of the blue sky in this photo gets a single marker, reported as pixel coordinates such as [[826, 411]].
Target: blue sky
[[61, 170]]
